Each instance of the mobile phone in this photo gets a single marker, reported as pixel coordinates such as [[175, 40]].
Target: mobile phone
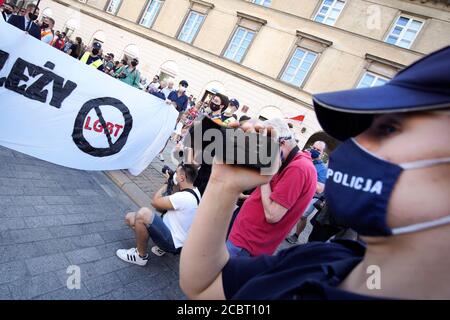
[[232, 146]]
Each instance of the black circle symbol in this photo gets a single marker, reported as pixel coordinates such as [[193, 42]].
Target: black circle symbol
[[80, 140]]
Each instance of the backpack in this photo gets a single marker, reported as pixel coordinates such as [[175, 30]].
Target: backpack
[[191, 191], [187, 190]]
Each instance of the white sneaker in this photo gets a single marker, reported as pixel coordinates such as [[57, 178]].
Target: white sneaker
[[161, 157], [132, 256], [158, 252]]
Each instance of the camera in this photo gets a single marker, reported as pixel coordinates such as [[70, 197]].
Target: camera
[[233, 146], [170, 184]]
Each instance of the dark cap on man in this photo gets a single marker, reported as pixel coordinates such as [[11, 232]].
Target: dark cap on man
[[96, 45], [184, 83], [234, 103]]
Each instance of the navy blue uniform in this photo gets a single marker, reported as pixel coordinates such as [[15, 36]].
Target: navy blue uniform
[[311, 271]]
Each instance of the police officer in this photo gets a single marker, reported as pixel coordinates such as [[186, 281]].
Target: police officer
[[378, 184]]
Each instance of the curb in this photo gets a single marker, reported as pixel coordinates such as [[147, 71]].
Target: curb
[[129, 187]]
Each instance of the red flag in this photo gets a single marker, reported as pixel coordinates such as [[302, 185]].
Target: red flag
[[298, 118]]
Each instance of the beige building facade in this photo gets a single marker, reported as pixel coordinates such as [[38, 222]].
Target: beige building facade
[[272, 55]]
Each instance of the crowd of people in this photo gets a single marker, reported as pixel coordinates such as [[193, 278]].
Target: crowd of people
[[125, 70], [377, 202]]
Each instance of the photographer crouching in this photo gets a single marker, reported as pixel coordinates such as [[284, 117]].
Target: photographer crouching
[[178, 200]]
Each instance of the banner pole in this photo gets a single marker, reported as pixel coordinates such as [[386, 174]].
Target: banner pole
[[34, 12]]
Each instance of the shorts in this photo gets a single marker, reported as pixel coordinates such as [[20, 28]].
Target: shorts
[[310, 209], [235, 251], [161, 235]]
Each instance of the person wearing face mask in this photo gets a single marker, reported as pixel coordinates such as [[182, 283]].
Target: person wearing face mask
[[47, 33], [229, 115], [27, 22], [388, 181], [179, 99], [60, 41], [316, 151], [8, 11], [169, 232], [274, 208], [217, 103], [130, 74], [92, 58]]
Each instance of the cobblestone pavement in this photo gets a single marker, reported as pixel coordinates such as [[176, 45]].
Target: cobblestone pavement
[[52, 217]]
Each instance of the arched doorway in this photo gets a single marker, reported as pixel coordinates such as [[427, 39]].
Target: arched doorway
[[213, 88], [70, 26], [98, 36], [131, 52], [168, 71], [47, 12], [270, 112]]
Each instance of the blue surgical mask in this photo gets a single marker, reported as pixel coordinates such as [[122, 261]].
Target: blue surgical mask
[[359, 186], [315, 154]]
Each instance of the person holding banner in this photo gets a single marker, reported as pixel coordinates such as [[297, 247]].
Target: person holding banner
[[26, 22]]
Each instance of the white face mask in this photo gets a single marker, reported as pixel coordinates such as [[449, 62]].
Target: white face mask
[[182, 89], [175, 182]]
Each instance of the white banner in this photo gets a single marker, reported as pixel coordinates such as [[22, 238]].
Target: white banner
[[58, 109]]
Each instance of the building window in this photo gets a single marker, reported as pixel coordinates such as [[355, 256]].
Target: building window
[[239, 44], [298, 67], [329, 11], [113, 6], [404, 32], [150, 13], [377, 71], [191, 27], [265, 3], [370, 79]]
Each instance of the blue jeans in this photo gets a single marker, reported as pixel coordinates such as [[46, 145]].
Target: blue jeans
[[236, 251], [161, 235]]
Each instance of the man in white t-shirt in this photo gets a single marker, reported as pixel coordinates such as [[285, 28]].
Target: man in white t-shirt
[[170, 231]]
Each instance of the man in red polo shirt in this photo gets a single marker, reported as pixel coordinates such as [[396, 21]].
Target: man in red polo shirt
[[273, 209]]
